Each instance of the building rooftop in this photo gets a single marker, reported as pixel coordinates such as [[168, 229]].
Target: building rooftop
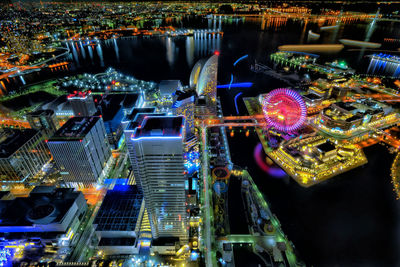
[[110, 104], [129, 100], [326, 147], [45, 206], [135, 111], [165, 241], [42, 112], [163, 126], [75, 128], [139, 117], [120, 241], [312, 96], [79, 95], [13, 139], [120, 209], [60, 104], [181, 95], [345, 106], [169, 87]]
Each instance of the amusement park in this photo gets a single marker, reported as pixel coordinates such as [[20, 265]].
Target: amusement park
[[199, 134]]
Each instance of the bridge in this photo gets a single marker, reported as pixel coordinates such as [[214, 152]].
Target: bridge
[[233, 121], [261, 68]]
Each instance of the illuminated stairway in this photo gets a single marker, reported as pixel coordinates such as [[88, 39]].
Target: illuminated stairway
[[145, 234]]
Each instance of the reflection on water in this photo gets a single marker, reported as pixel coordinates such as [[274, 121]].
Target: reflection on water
[[100, 54], [190, 50], [116, 49], [82, 49], [256, 36], [170, 45], [201, 44], [90, 53], [74, 53], [370, 30], [22, 79]]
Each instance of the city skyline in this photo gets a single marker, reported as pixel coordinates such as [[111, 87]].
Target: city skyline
[[199, 134]]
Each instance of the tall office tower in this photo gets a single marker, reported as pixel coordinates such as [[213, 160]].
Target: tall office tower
[[44, 121], [184, 105], [82, 104], [23, 153], [156, 152], [81, 150]]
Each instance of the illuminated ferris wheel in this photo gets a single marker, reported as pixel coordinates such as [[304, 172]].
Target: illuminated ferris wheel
[[284, 109]]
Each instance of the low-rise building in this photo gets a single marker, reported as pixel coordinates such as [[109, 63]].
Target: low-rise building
[[23, 154], [118, 221], [43, 225]]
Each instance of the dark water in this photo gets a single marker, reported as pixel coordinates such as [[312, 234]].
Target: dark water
[[158, 58], [237, 221], [351, 220]]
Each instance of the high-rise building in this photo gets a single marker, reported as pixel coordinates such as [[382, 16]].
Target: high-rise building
[[81, 150], [129, 129], [111, 107], [44, 121], [82, 103], [156, 151], [23, 153]]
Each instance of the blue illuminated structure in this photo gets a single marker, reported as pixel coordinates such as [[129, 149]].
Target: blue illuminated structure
[[240, 59], [230, 83], [384, 63], [5, 256], [236, 105], [194, 256], [116, 181], [122, 205], [220, 187], [236, 85], [192, 161]]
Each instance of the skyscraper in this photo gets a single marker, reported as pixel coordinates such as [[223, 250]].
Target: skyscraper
[[156, 152], [82, 103], [44, 121], [81, 150], [22, 155]]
